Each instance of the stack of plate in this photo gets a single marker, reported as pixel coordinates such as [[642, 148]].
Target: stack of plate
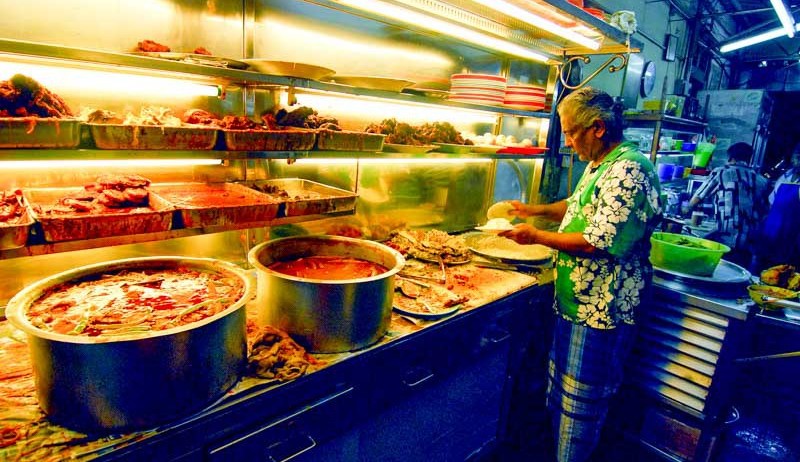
[[478, 88], [527, 97]]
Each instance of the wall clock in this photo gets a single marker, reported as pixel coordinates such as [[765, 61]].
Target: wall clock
[[648, 78]]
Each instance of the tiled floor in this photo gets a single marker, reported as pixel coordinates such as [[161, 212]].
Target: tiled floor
[[754, 437]]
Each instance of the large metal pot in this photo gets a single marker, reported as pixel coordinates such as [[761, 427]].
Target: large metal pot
[[141, 380], [326, 316]]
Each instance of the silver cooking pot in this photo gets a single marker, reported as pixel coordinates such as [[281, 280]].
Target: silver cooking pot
[[140, 380], [326, 316]]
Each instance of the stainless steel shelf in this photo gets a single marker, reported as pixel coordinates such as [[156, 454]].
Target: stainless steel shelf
[[46, 248], [7, 155], [82, 57], [668, 122]]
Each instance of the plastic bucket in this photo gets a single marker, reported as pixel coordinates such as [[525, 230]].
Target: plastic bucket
[[665, 171], [702, 154]]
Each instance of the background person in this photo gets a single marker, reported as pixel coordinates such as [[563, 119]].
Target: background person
[[603, 271], [792, 175], [739, 195]]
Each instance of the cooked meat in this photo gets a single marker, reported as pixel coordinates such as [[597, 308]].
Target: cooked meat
[[120, 182], [136, 196], [101, 116], [200, 117], [151, 46], [239, 123], [76, 205], [111, 198], [22, 96]]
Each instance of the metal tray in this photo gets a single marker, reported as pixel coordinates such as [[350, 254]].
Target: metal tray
[[217, 204], [307, 197], [331, 140], [58, 227], [195, 58], [269, 140], [726, 273], [115, 136], [34, 132], [15, 235]]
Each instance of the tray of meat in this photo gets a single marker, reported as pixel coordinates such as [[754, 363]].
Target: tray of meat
[[217, 204], [15, 220], [304, 197], [36, 132], [117, 136], [335, 140], [269, 140], [114, 205]]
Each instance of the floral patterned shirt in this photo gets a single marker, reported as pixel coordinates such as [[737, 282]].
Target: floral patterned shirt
[[616, 207]]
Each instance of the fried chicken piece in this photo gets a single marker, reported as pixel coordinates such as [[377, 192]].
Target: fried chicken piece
[[200, 117], [101, 116], [111, 198], [151, 46], [136, 196], [120, 182]]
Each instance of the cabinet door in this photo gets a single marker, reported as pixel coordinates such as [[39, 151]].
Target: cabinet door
[[442, 399], [315, 432]]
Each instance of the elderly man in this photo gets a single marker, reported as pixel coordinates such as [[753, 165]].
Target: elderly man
[[603, 271]]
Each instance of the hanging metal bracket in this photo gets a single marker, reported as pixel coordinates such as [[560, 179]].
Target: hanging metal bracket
[[567, 66]]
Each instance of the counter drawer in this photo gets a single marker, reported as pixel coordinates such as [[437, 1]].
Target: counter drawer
[[298, 435]]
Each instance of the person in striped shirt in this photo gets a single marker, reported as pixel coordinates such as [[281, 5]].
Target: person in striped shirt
[[739, 194]]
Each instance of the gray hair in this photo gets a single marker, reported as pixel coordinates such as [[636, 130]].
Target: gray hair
[[588, 104]]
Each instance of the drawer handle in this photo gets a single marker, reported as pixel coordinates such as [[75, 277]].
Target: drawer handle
[[497, 336], [417, 376], [311, 444]]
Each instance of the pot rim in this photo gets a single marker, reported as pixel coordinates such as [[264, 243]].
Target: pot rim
[[252, 258], [17, 306]]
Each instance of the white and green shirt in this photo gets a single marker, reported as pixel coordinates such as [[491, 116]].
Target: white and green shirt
[[616, 207]]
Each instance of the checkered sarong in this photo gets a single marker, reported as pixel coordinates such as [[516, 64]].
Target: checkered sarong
[[585, 370]]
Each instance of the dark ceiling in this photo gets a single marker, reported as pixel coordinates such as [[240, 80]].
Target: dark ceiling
[[733, 19]]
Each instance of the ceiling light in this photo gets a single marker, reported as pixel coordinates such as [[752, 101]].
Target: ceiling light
[[431, 23], [787, 21], [759, 38], [537, 21]]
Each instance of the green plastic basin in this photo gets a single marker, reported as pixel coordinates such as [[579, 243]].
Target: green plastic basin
[[686, 254]]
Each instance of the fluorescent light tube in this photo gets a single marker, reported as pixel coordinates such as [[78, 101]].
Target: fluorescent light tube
[[752, 40], [787, 21], [64, 78], [104, 163], [542, 23], [438, 25]]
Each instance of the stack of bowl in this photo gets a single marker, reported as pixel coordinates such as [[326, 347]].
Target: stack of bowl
[[478, 89], [526, 97]]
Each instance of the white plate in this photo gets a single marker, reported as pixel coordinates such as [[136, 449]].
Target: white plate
[[486, 229], [508, 251], [408, 148], [290, 69], [374, 83], [500, 210], [453, 148], [486, 149]]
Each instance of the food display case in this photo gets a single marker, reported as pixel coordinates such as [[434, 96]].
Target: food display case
[[248, 61]]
